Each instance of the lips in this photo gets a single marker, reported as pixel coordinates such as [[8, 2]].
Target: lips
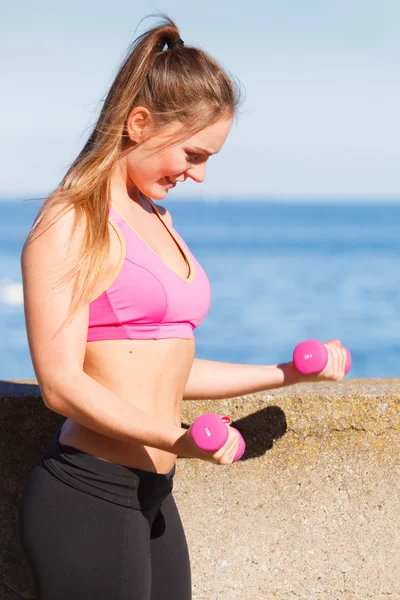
[[169, 182]]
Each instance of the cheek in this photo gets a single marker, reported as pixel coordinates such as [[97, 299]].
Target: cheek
[[173, 163], [169, 163], [142, 170]]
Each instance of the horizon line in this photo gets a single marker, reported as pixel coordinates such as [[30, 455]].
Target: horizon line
[[244, 198]]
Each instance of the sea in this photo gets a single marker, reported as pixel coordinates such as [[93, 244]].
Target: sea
[[280, 273]]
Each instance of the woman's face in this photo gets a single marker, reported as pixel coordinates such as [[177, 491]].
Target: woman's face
[[154, 172]]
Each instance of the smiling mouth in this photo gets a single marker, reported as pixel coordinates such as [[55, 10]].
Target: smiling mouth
[[169, 182]]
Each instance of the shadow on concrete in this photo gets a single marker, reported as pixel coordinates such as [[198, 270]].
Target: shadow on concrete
[[259, 430]]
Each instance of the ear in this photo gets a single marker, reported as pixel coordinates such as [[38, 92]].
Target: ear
[[139, 123]]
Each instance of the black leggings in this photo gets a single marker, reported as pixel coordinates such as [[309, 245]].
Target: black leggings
[[94, 530]]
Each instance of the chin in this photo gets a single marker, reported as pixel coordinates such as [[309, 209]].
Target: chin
[[157, 192]]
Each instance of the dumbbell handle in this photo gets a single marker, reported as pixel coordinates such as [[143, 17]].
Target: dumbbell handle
[[311, 357], [210, 433]]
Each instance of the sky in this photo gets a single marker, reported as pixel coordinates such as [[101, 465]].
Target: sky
[[320, 119]]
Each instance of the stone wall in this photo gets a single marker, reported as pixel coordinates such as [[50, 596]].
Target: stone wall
[[312, 510]]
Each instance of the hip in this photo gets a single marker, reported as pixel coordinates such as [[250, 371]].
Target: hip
[[127, 486], [129, 454]]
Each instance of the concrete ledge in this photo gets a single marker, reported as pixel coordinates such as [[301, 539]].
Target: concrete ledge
[[311, 511]]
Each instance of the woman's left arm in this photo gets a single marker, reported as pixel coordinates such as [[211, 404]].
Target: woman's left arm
[[210, 380], [217, 380]]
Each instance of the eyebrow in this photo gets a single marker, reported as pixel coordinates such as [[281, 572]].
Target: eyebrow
[[202, 151]]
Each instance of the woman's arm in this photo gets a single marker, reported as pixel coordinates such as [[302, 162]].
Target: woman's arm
[[216, 380]]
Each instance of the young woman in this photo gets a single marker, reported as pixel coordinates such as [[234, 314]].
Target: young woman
[[111, 338]]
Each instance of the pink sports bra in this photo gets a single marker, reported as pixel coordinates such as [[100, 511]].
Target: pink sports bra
[[145, 299]]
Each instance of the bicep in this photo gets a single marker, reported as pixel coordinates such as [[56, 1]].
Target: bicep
[[54, 357]]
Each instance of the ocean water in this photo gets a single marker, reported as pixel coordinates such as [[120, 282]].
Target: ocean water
[[280, 273]]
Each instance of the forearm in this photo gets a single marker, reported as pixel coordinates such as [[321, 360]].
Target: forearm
[[83, 399], [217, 380]]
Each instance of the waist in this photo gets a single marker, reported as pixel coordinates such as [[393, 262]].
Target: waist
[[106, 449], [127, 486], [149, 374]]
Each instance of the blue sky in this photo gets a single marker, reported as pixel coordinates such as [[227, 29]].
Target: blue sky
[[320, 119]]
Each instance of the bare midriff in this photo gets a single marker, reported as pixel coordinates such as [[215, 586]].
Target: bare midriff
[[150, 374]]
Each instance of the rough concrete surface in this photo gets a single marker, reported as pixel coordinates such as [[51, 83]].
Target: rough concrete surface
[[310, 511]]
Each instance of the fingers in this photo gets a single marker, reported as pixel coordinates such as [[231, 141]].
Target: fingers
[[232, 450], [335, 343], [226, 454], [337, 358]]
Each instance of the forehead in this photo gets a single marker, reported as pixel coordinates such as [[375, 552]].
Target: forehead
[[210, 139]]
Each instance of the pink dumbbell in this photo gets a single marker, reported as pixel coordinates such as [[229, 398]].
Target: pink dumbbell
[[210, 433], [311, 357]]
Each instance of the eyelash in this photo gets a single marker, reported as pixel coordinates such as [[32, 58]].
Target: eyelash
[[193, 158]]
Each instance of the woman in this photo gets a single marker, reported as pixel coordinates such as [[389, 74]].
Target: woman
[[112, 341]]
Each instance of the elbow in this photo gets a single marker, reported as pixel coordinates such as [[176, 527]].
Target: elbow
[[56, 390], [51, 398]]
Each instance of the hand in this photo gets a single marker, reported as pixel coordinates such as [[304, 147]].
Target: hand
[[334, 370], [223, 456]]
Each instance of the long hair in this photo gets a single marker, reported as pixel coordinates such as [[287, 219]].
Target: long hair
[[183, 84]]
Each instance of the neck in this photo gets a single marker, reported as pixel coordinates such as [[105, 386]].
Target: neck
[[123, 192]]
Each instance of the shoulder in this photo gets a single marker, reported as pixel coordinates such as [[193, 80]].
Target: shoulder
[[56, 223], [164, 213]]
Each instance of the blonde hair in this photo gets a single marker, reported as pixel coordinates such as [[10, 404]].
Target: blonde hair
[[183, 84]]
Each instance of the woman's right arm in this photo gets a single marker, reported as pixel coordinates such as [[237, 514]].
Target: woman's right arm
[[58, 361]]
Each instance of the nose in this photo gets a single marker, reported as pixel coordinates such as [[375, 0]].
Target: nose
[[197, 172]]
